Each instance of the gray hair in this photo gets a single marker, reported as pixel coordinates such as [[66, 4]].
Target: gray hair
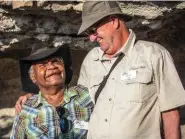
[[30, 71]]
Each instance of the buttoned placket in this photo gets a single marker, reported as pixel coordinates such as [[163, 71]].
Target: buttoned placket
[[106, 119]]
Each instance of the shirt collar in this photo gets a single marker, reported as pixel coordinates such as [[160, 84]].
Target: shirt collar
[[39, 101], [126, 48], [68, 95], [42, 101]]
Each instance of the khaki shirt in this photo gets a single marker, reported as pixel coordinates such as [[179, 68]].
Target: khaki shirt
[[143, 84]]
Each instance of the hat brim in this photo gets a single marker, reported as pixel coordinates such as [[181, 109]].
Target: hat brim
[[26, 82], [88, 23], [41, 55]]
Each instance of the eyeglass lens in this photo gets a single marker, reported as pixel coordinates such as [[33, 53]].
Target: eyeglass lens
[[91, 31]]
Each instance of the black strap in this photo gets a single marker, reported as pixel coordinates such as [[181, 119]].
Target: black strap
[[102, 84]]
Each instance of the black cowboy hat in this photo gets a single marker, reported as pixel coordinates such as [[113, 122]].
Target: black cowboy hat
[[42, 51]]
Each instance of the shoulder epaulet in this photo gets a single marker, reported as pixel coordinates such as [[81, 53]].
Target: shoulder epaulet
[[83, 98], [31, 101]]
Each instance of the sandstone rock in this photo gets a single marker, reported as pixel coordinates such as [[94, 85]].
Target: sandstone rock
[[20, 4], [181, 6], [6, 23]]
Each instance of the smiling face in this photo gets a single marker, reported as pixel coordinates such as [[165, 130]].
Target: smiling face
[[105, 35], [110, 35], [48, 73]]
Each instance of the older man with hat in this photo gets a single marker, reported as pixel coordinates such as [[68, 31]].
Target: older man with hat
[[57, 112], [134, 84]]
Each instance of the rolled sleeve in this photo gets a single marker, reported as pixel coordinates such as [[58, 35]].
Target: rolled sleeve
[[170, 89], [18, 129]]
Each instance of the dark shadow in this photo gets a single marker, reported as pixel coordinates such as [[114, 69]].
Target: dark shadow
[[182, 115], [15, 52], [77, 59]]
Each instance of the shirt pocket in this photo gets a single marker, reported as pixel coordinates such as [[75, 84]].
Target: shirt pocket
[[81, 113], [139, 89], [37, 130], [42, 125]]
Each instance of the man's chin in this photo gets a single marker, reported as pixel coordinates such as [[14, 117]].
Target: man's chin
[[56, 82], [104, 48]]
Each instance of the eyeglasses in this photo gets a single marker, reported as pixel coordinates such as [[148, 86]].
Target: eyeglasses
[[65, 124], [93, 29]]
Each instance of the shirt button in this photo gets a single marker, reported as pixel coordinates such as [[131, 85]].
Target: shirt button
[[110, 99], [106, 120], [113, 78]]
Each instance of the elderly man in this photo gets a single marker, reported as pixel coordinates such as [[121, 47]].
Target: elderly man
[[141, 92], [57, 112], [134, 84]]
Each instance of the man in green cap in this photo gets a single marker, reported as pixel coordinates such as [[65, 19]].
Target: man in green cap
[[134, 84], [138, 95]]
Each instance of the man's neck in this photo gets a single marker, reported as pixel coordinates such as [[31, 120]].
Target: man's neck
[[119, 42], [54, 96], [111, 55]]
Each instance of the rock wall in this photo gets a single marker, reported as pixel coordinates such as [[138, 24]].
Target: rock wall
[[57, 23]]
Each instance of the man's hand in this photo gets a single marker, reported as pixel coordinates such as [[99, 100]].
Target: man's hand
[[20, 101], [171, 124]]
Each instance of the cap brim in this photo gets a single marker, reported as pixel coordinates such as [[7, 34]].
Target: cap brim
[[88, 23]]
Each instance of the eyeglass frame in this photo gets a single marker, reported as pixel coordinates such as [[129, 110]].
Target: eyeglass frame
[[92, 30]]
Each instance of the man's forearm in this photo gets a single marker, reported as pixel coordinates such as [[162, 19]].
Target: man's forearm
[[171, 124]]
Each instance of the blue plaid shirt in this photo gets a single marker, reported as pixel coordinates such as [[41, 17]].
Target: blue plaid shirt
[[38, 119]]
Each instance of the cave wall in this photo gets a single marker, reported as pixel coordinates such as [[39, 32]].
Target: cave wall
[[57, 23]]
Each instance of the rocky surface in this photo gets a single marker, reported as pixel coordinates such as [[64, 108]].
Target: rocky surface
[[57, 23]]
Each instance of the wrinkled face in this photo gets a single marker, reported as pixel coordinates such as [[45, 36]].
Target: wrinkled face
[[48, 72], [104, 34]]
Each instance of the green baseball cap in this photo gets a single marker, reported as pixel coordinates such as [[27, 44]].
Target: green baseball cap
[[94, 11]]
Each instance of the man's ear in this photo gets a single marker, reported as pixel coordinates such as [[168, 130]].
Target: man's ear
[[115, 21]]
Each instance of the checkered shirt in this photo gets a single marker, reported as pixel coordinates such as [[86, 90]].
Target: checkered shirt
[[39, 120]]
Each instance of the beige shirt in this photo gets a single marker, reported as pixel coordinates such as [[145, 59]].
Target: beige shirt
[[143, 84]]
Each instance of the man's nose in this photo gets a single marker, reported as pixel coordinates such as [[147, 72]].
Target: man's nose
[[51, 65], [92, 37]]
